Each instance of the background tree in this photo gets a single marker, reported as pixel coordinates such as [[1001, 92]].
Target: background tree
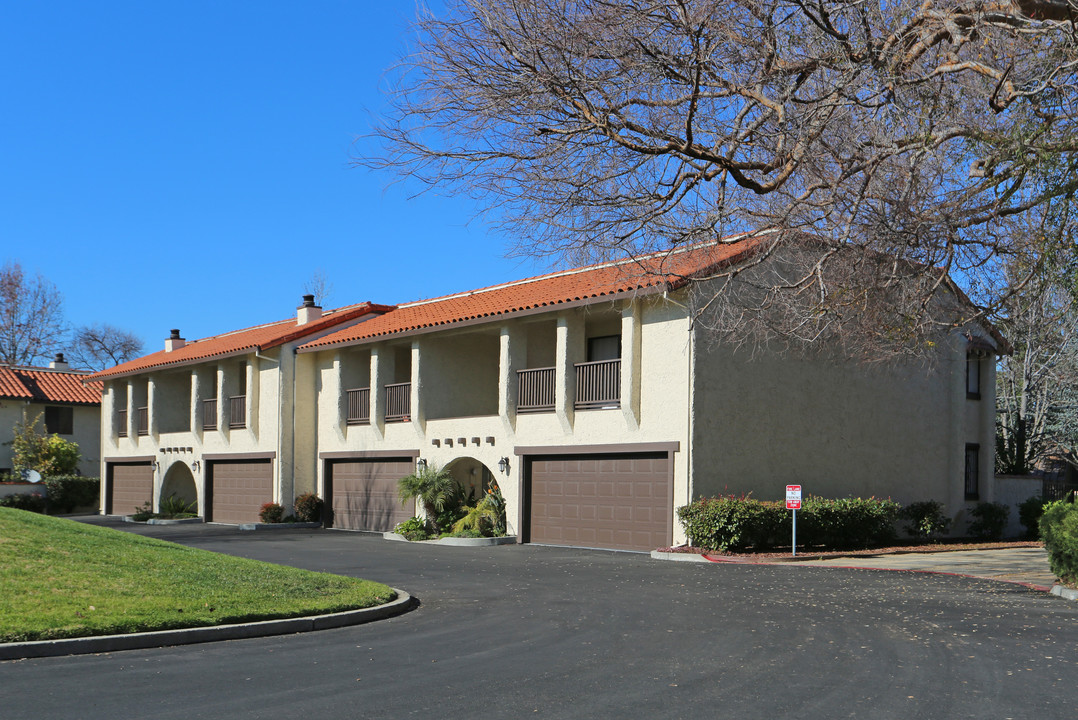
[[319, 286], [99, 346], [31, 317], [904, 136], [1037, 386]]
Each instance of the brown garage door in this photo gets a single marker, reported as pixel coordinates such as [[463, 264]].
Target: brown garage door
[[363, 493], [238, 490], [622, 502], [130, 487]]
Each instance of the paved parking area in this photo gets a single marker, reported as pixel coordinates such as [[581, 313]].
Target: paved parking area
[[561, 633], [1028, 566]]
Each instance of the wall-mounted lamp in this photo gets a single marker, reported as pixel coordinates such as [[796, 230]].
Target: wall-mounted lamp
[[420, 464], [503, 465], [196, 465]]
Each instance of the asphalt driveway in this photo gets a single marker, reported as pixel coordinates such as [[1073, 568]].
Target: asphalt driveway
[[547, 632]]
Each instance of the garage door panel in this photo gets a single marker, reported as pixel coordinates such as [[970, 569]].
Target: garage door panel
[[239, 490], [621, 502], [132, 487], [364, 494]]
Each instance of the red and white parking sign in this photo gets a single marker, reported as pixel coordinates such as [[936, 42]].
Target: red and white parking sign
[[793, 497]]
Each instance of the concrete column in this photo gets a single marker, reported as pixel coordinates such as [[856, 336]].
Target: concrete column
[[569, 350], [630, 364], [333, 393], [195, 419], [419, 414], [512, 356], [132, 413], [222, 399], [151, 405], [253, 394], [381, 373]]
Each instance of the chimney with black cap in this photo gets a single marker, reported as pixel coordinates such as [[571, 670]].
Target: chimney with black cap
[[174, 341], [308, 311]]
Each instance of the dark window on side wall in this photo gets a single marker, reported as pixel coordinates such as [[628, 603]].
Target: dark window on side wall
[[973, 377], [973, 472], [59, 420]]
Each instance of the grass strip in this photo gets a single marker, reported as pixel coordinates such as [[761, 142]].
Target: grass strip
[[63, 579]]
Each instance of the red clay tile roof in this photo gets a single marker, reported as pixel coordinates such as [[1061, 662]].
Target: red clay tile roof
[[651, 273], [254, 339], [52, 386], [11, 386]]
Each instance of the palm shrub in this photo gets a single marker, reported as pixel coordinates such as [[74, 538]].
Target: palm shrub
[[175, 507], [434, 488], [486, 518], [1059, 529], [926, 519]]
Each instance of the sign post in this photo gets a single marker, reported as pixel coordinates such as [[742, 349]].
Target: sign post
[[793, 502]]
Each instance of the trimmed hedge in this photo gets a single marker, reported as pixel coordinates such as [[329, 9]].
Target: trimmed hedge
[[67, 492], [1059, 529], [28, 502], [731, 523]]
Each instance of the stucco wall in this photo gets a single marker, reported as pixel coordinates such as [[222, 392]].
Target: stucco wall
[[663, 414], [838, 429]]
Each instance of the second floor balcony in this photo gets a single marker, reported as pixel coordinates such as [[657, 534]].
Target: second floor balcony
[[399, 402], [359, 406], [143, 421], [237, 412], [209, 414]]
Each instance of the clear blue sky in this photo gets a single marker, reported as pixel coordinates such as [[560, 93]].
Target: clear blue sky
[[188, 164]]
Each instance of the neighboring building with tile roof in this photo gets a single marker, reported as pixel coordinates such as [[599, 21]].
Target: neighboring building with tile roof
[[68, 406], [589, 395], [211, 420]]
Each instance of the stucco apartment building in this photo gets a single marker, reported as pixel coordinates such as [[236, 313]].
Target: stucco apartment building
[[67, 407], [588, 395]]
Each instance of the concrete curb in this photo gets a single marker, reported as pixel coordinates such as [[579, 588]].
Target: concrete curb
[[280, 526], [163, 521], [455, 542], [214, 633], [1064, 592], [679, 557]]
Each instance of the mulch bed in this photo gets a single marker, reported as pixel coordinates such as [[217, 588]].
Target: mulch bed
[[814, 553]]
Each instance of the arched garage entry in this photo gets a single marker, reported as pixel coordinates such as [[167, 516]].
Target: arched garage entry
[[473, 477], [180, 482]]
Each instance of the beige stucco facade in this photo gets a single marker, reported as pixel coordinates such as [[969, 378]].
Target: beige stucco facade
[[86, 430], [842, 429], [464, 392]]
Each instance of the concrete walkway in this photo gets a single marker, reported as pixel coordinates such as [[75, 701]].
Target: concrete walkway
[[1027, 566]]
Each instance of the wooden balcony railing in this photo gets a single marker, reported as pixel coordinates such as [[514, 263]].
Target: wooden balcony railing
[[399, 402], [237, 412], [144, 421], [535, 390], [121, 423], [598, 384], [359, 406], [209, 414]]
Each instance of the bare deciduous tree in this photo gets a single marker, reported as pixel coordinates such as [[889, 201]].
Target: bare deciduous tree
[[99, 346], [31, 317], [319, 286], [905, 136], [1037, 386]]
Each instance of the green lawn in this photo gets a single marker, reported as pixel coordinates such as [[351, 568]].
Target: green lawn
[[60, 578]]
